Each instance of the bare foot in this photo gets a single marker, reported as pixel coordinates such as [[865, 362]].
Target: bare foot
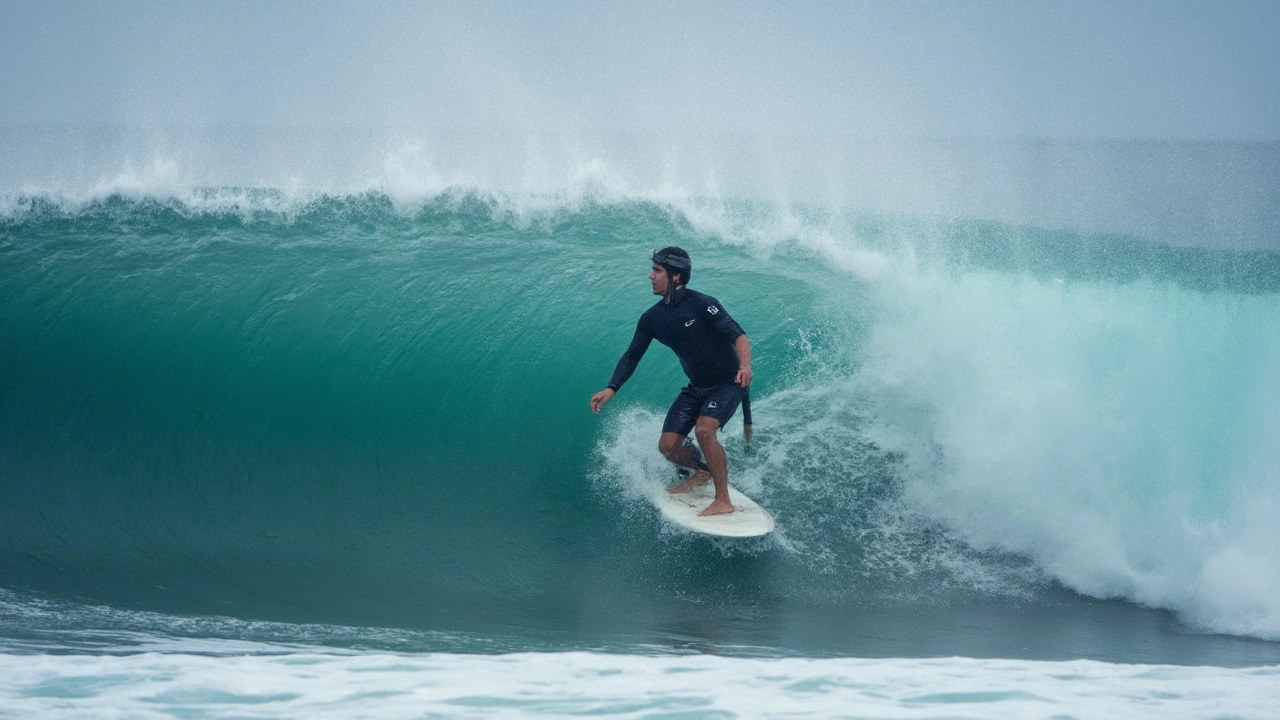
[[702, 477], [717, 507]]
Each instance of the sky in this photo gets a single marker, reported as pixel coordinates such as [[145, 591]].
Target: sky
[[1164, 70]]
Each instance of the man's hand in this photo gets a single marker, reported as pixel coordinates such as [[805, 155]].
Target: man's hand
[[744, 377], [599, 399]]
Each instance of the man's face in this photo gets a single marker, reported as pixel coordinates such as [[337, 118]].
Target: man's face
[[659, 279]]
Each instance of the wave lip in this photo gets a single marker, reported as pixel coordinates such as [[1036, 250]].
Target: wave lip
[[1201, 194]]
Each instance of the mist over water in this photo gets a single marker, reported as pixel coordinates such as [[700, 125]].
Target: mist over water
[[1204, 194]]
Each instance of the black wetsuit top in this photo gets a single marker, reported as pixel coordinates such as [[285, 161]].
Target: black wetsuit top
[[697, 328]]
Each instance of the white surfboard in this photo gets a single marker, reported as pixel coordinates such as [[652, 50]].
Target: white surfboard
[[748, 519]]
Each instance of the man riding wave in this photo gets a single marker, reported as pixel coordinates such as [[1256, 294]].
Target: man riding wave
[[716, 356]]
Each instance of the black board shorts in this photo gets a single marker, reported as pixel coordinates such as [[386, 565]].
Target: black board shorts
[[718, 401]]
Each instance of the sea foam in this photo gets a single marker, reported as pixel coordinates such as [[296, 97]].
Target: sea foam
[[268, 684], [1123, 436]]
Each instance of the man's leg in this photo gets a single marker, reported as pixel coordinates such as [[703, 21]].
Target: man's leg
[[713, 452], [681, 418], [672, 446]]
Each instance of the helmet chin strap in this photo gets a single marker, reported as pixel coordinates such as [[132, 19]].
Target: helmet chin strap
[[672, 288], [668, 262]]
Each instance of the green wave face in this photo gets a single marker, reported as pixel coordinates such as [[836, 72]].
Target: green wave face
[[349, 400], [349, 412]]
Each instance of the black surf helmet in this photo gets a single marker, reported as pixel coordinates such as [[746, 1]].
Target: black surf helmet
[[675, 261]]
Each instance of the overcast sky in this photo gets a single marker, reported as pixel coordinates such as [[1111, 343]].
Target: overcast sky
[[1027, 69]]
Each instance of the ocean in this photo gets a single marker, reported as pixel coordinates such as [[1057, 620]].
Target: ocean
[[287, 435]]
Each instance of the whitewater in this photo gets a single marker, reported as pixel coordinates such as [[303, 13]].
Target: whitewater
[[277, 443]]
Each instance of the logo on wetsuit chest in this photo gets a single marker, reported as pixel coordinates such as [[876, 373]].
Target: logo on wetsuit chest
[[690, 322], [713, 309]]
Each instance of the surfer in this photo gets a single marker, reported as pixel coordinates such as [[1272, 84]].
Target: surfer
[[715, 355]]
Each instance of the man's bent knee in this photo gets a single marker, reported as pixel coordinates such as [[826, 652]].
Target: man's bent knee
[[669, 445]]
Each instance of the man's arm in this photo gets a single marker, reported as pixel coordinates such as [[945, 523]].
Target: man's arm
[[743, 346], [719, 318], [626, 365]]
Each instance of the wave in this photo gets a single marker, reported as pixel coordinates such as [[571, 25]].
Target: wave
[[349, 408]]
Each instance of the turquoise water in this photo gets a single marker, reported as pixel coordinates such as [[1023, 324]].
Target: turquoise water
[[237, 414]]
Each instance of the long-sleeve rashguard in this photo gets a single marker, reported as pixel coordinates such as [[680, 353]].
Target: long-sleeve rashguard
[[697, 328]]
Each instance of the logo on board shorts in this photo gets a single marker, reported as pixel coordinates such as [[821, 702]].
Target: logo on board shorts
[[690, 322], [713, 309], [711, 404]]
